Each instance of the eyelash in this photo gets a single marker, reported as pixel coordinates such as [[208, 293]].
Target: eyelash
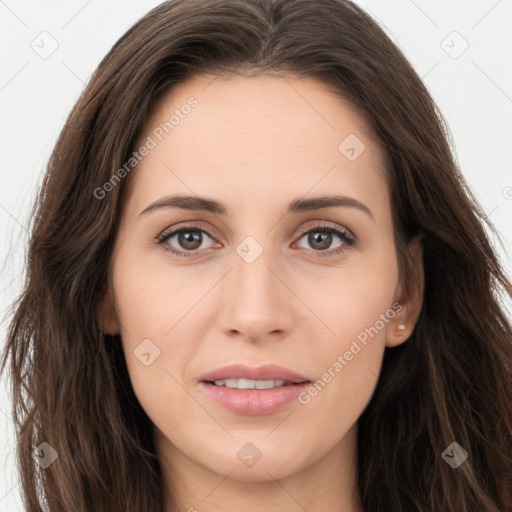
[[322, 228]]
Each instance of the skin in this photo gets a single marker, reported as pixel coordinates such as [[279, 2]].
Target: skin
[[254, 145]]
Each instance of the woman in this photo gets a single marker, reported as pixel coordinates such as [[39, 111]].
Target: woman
[[183, 343]]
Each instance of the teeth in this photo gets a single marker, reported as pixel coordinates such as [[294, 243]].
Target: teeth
[[249, 384]]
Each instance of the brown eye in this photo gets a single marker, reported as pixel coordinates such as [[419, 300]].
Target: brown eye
[[320, 239], [188, 240]]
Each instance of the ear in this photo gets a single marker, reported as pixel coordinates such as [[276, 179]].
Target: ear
[[108, 320], [410, 296]]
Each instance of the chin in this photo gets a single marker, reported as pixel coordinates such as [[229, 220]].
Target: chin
[[258, 461]]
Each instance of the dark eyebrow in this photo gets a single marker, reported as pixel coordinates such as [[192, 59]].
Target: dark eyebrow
[[297, 206], [317, 203]]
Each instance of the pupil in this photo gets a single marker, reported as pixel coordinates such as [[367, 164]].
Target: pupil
[[323, 238], [190, 237]]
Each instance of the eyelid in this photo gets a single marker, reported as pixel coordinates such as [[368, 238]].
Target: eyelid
[[192, 225], [168, 233], [315, 224], [318, 224]]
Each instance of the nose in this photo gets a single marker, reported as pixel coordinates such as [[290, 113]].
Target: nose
[[257, 300]]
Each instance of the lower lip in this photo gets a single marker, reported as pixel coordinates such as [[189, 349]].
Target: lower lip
[[253, 402]]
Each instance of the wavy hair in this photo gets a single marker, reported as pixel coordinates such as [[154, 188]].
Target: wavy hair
[[451, 381]]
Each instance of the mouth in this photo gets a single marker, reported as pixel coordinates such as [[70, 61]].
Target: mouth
[[252, 384], [242, 376], [253, 391]]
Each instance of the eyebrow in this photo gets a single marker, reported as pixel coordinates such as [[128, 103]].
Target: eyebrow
[[196, 203]]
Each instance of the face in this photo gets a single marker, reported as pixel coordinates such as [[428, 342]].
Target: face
[[256, 274]]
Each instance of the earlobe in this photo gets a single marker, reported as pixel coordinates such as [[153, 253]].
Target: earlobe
[[108, 320], [399, 331], [410, 298]]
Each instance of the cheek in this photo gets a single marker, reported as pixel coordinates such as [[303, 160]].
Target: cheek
[[353, 297], [152, 296], [155, 305], [356, 311]]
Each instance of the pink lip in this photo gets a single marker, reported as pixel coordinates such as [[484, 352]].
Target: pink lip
[[254, 402], [266, 372]]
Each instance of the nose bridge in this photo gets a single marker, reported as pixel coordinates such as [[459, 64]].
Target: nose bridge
[[254, 301], [254, 281]]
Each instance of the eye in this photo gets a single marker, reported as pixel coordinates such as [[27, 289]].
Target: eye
[[189, 238], [320, 238]]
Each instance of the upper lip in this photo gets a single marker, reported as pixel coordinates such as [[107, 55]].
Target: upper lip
[[265, 372]]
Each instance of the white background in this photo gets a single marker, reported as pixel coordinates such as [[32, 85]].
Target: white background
[[473, 91]]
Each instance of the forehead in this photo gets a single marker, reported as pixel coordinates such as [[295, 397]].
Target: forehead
[[258, 138]]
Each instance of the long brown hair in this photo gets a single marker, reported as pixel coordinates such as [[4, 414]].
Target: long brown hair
[[450, 382]]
